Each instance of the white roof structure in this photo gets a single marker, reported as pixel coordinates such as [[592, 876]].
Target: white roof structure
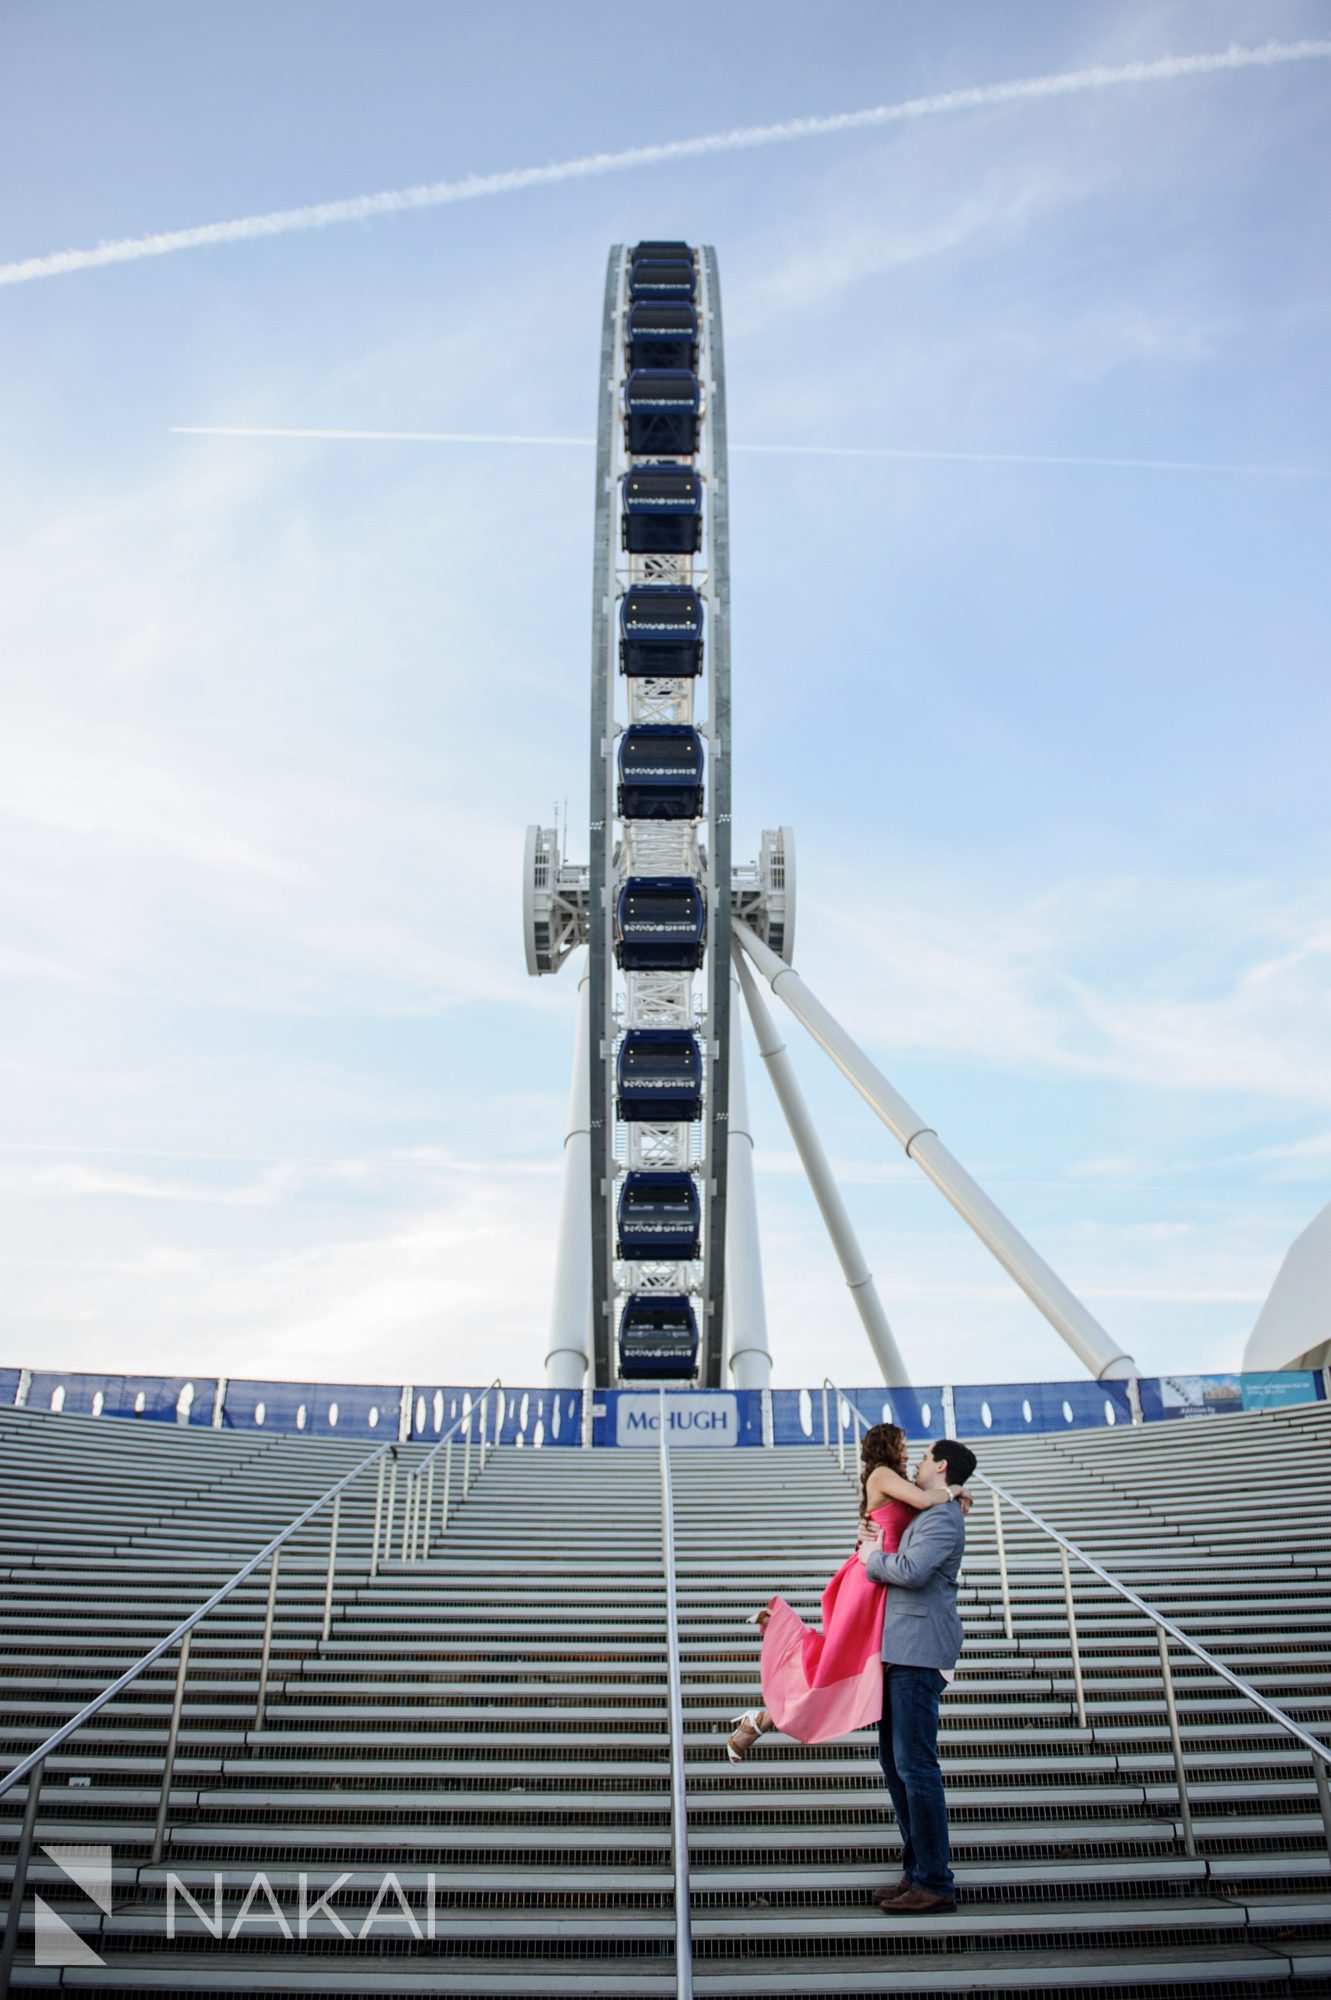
[[1293, 1329]]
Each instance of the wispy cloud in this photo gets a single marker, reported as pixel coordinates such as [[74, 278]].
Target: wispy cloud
[[82, 1173], [165, 829], [473, 187], [78, 1179], [1007, 991], [411, 1296], [1314, 1152], [905, 453]]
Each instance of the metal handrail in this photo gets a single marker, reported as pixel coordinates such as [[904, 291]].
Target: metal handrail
[[418, 1498], [1166, 1631], [679, 1810], [35, 1761]]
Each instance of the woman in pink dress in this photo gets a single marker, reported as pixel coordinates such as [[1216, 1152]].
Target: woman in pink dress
[[817, 1685]]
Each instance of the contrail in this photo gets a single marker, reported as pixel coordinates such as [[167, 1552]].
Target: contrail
[[437, 194], [774, 450], [372, 437]]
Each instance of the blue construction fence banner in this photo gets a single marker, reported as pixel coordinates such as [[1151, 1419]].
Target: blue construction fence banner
[[1215, 1395], [542, 1417], [797, 1414], [537, 1417], [162, 1399], [323, 1409], [1009, 1408]]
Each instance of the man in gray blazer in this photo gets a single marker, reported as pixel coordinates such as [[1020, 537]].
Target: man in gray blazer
[[921, 1640]]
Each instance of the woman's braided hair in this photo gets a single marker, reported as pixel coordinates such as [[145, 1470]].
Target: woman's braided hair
[[882, 1444]]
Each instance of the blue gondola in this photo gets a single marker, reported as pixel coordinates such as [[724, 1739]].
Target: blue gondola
[[654, 250], [662, 510], [658, 1337], [660, 632], [660, 771], [662, 411], [662, 278], [660, 921], [662, 333], [658, 1215], [658, 1076]]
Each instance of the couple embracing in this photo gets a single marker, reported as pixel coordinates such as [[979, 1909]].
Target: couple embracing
[[888, 1647]]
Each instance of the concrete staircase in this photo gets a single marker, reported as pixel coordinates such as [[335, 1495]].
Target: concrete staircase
[[1068, 1842], [497, 1715]]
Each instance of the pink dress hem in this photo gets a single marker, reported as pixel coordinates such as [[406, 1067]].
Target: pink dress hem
[[819, 1685]]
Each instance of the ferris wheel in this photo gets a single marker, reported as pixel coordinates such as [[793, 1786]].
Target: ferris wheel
[[652, 1094], [658, 1274]]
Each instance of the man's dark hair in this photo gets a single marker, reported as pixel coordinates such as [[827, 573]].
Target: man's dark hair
[[958, 1458]]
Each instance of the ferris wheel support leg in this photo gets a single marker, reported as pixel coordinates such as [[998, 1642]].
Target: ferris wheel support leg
[[1095, 1348], [825, 1191], [747, 1352], [570, 1316]]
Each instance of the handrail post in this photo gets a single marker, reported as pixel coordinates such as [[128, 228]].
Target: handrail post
[[1002, 1565], [827, 1438], [1323, 1796], [841, 1431], [466, 1452], [1176, 1744], [19, 1885], [679, 1822], [391, 1505], [172, 1738], [429, 1511], [408, 1502], [448, 1484], [378, 1516], [267, 1641], [1073, 1641], [332, 1564]]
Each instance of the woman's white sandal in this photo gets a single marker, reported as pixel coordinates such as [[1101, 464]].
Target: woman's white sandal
[[749, 1727]]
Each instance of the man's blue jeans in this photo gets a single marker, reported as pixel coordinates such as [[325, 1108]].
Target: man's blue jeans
[[908, 1753]]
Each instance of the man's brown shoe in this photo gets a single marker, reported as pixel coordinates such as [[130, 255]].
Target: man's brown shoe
[[918, 1903], [890, 1895]]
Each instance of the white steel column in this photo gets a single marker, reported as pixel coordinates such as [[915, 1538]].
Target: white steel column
[[747, 1351], [1066, 1314], [825, 1191], [571, 1312]]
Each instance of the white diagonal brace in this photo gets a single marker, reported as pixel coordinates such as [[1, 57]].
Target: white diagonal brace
[[1095, 1348], [825, 1191]]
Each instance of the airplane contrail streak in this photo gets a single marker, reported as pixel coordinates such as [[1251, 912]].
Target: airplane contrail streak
[[771, 450], [438, 194], [372, 437]]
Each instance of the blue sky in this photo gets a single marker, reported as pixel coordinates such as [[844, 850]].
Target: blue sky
[[277, 1094]]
